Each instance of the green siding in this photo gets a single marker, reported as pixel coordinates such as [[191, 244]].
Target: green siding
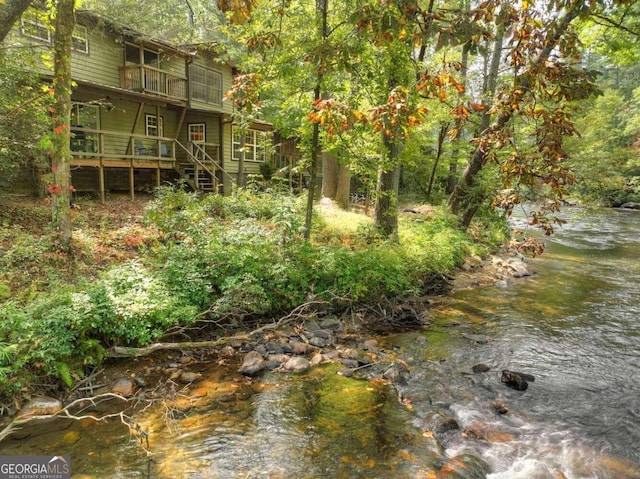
[[121, 118], [101, 64], [174, 64]]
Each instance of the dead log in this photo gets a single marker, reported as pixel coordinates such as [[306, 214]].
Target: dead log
[[130, 352]]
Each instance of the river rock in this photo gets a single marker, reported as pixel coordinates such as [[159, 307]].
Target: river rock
[[276, 360], [187, 377], [357, 354], [350, 363], [321, 333], [330, 322], [274, 347], [300, 348], [515, 380], [631, 205], [396, 374], [262, 350], [480, 368], [253, 363], [486, 432], [500, 407], [41, 406], [319, 342], [124, 387], [477, 338], [297, 364], [227, 352], [447, 425], [371, 345], [519, 269]]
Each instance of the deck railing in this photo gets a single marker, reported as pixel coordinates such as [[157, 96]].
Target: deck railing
[[89, 143], [147, 79]]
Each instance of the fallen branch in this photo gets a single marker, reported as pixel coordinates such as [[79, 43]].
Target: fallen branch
[[129, 352], [65, 413]]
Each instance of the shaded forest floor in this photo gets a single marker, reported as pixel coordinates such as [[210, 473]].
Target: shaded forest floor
[[102, 233]]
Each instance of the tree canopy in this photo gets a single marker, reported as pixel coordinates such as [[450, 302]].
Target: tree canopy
[[467, 100]]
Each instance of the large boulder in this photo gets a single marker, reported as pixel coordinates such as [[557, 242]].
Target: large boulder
[[253, 364]]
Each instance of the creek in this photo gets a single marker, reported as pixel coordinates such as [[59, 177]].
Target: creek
[[574, 325]]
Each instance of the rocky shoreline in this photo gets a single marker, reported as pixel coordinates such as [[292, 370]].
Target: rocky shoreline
[[321, 338]]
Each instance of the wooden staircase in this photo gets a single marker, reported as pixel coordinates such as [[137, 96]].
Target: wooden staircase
[[201, 171]]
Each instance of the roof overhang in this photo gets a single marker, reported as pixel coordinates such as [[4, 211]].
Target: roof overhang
[[93, 18]]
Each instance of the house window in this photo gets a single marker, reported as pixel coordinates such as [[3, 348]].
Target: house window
[[206, 85], [134, 55], [256, 145], [153, 126], [197, 132], [84, 115], [34, 27], [80, 39], [85, 121]]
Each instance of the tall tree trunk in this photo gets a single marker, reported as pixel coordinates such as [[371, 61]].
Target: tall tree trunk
[[243, 154], [386, 213], [10, 12], [453, 162], [461, 200], [322, 7], [60, 148], [329, 175], [311, 192], [462, 197], [473, 200], [343, 191], [442, 134]]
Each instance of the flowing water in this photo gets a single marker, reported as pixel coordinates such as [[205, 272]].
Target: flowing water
[[575, 326]]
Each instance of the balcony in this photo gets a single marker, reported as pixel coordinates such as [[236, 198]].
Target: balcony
[[153, 81]]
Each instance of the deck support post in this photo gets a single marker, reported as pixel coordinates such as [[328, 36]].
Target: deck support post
[[101, 183], [132, 183]]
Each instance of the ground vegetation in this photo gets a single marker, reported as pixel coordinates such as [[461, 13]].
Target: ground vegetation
[[180, 267]]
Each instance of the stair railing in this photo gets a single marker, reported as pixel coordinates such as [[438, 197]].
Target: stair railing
[[196, 160]]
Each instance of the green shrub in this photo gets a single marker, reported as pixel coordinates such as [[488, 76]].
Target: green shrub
[[131, 305], [44, 340]]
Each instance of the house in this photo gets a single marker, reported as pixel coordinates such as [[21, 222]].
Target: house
[[146, 111]]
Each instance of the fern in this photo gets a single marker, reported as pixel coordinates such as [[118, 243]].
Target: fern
[[64, 373], [7, 353]]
